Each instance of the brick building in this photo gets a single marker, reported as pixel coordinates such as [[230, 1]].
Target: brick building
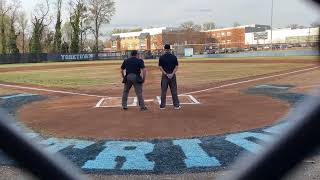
[[234, 37], [182, 38], [147, 39], [154, 39]]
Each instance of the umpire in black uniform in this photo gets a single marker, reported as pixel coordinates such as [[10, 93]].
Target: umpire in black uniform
[[168, 64], [131, 73]]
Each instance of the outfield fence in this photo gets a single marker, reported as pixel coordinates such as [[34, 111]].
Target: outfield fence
[[37, 58], [22, 58], [45, 57]]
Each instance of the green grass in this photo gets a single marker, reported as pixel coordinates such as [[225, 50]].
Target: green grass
[[204, 73], [66, 78], [108, 76], [57, 63]]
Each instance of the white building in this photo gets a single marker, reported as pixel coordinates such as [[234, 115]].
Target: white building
[[151, 32], [289, 36]]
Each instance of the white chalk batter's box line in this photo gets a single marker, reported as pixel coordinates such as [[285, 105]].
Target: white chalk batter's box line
[[100, 104], [193, 100]]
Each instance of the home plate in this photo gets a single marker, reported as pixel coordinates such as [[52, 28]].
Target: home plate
[[184, 99]]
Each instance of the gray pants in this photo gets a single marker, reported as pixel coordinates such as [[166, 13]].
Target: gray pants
[[172, 83], [132, 81]]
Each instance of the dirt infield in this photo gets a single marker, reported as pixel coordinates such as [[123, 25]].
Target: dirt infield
[[76, 117], [220, 111]]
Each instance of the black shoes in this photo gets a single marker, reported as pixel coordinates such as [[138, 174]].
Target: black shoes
[[142, 109], [176, 108]]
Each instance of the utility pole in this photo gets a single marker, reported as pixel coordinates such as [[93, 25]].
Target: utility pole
[[309, 43], [271, 25]]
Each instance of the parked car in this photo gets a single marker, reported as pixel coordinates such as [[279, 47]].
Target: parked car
[[283, 46], [266, 47], [290, 46], [276, 47], [253, 48]]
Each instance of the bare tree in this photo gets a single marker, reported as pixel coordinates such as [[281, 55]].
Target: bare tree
[[189, 25], [236, 24], [58, 34], [71, 5], [15, 6], [40, 21], [197, 27], [67, 32], [77, 20], [209, 26], [4, 9], [293, 26], [101, 12], [13, 15], [23, 24], [84, 28], [48, 40]]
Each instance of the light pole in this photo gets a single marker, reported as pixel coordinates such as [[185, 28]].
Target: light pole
[[271, 25]]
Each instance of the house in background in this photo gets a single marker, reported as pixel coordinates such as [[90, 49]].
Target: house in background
[[115, 43]]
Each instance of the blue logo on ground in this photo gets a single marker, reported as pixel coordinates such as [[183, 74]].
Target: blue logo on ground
[[16, 96], [160, 156], [277, 91], [13, 102]]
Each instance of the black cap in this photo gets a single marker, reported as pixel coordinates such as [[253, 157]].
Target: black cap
[[167, 46], [134, 53]]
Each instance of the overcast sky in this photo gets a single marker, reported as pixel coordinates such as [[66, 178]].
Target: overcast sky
[[144, 13]]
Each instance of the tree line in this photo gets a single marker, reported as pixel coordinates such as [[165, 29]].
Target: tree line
[[45, 31], [205, 26], [211, 25]]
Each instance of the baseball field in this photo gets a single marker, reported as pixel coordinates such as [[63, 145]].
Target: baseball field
[[80, 102]]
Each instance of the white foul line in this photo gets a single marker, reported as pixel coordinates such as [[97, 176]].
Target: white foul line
[[251, 80], [48, 90]]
